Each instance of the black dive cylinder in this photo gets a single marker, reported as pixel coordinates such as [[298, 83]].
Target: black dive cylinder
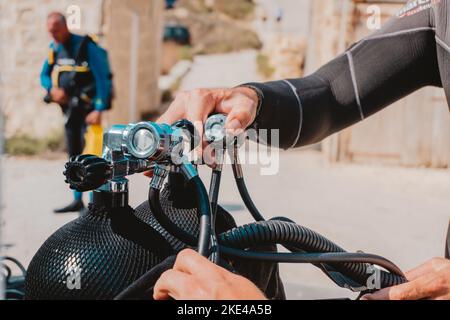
[[97, 255], [101, 253]]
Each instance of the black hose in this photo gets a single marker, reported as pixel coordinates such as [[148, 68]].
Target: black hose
[[214, 251], [290, 234], [13, 290], [14, 294], [240, 183], [314, 258], [16, 262], [325, 268], [353, 270], [204, 211], [164, 220], [251, 207], [243, 191], [214, 192], [8, 272], [214, 196], [146, 281]]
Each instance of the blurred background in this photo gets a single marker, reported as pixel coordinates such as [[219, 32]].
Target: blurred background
[[381, 186]]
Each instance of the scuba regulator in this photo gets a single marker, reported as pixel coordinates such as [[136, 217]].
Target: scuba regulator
[[116, 252]]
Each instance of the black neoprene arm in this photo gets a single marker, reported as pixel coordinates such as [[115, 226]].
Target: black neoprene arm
[[373, 73]]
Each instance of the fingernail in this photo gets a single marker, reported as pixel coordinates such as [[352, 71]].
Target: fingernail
[[234, 126], [365, 297]]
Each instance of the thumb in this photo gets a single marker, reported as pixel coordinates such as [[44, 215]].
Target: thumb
[[197, 119], [176, 111], [238, 120]]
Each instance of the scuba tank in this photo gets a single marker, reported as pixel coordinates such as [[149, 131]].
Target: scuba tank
[[102, 252], [116, 252], [107, 249]]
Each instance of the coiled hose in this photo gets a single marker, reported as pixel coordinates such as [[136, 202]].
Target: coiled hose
[[291, 234], [204, 212], [356, 271]]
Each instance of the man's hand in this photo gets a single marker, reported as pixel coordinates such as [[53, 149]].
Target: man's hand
[[428, 281], [94, 117], [240, 104], [194, 277], [58, 95]]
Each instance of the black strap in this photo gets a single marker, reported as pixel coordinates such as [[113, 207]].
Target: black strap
[[82, 54]]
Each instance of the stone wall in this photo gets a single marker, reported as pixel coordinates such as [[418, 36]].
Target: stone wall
[[24, 43], [136, 59], [286, 55], [24, 46]]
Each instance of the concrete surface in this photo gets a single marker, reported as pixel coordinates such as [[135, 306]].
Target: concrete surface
[[399, 213], [221, 70]]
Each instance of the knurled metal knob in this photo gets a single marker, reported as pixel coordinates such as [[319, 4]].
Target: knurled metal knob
[[87, 172]]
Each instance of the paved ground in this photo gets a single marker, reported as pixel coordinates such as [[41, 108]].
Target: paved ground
[[399, 213], [221, 70]]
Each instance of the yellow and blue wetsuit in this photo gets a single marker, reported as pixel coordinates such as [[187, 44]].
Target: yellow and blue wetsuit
[[81, 68]]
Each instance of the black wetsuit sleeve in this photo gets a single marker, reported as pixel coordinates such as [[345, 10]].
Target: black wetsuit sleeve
[[373, 73]]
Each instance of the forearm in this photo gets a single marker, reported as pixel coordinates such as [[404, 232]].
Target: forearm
[[101, 95], [102, 92], [372, 74], [100, 70], [45, 77]]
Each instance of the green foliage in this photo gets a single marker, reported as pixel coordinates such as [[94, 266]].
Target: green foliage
[[186, 53], [25, 145], [264, 66], [236, 9]]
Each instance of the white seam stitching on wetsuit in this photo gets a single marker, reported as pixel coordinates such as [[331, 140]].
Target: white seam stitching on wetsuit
[[300, 109], [349, 55], [441, 42], [393, 34], [355, 84]]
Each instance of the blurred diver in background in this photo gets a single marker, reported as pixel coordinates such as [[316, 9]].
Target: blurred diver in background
[[77, 76]]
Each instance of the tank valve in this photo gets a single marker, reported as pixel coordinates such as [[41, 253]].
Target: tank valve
[[87, 172]]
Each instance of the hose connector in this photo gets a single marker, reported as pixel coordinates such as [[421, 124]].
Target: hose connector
[[189, 170], [159, 176]]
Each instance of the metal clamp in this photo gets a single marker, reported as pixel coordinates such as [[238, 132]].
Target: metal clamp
[[159, 176]]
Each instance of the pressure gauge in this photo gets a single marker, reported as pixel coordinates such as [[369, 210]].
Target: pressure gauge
[[146, 140], [215, 128]]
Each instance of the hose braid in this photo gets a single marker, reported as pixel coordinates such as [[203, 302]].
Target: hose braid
[[291, 234]]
